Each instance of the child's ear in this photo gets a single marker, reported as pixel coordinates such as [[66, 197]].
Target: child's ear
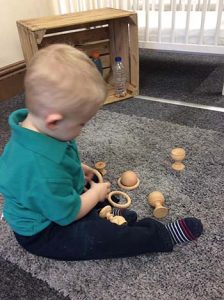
[[52, 120]]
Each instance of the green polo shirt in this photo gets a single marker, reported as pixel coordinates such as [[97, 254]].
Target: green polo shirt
[[41, 179]]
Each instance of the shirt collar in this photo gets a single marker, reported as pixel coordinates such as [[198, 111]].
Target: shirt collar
[[44, 145]]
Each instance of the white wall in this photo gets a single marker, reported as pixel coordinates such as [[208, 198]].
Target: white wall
[[10, 12]]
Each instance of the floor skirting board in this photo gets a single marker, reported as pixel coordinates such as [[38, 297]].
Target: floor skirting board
[[11, 80], [182, 103]]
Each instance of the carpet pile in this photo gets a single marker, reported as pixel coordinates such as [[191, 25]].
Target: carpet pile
[[141, 144]]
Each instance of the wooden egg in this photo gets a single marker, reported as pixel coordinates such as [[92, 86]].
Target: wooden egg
[[129, 178]]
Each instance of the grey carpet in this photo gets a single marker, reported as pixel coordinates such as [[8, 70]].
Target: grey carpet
[[194, 271], [19, 284], [182, 115], [189, 77]]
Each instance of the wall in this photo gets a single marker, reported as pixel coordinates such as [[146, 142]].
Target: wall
[[10, 12]]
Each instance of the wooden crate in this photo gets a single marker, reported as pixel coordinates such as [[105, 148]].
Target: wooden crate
[[113, 32]]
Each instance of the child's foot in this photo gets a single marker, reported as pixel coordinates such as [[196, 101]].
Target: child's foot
[[129, 215], [185, 230]]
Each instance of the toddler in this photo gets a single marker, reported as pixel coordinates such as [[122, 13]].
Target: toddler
[[43, 181]]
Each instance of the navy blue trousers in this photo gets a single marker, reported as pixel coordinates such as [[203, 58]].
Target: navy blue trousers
[[95, 238]]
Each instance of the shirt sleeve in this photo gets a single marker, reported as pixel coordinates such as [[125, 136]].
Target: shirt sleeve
[[56, 200]]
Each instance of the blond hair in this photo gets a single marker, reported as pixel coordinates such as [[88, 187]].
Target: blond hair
[[59, 78]]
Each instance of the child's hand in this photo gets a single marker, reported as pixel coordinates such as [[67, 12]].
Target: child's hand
[[96, 193], [101, 189], [88, 173]]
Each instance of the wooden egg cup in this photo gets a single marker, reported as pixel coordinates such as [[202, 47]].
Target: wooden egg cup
[[128, 188], [100, 166], [105, 213], [178, 155], [114, 204], [157, 200]]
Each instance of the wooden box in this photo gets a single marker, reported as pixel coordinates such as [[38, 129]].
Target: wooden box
[[113, 32]]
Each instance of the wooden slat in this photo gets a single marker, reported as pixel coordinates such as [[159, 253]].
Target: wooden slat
[[74, 18], [119, 41], [25, 43], [78, 37], [39, 35], [134, 53], [102, 47], [111, 98], [112, 44], [33, 42], [73, 27]]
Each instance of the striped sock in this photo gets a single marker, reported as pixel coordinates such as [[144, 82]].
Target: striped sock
[[116, 211], [185, 230]]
